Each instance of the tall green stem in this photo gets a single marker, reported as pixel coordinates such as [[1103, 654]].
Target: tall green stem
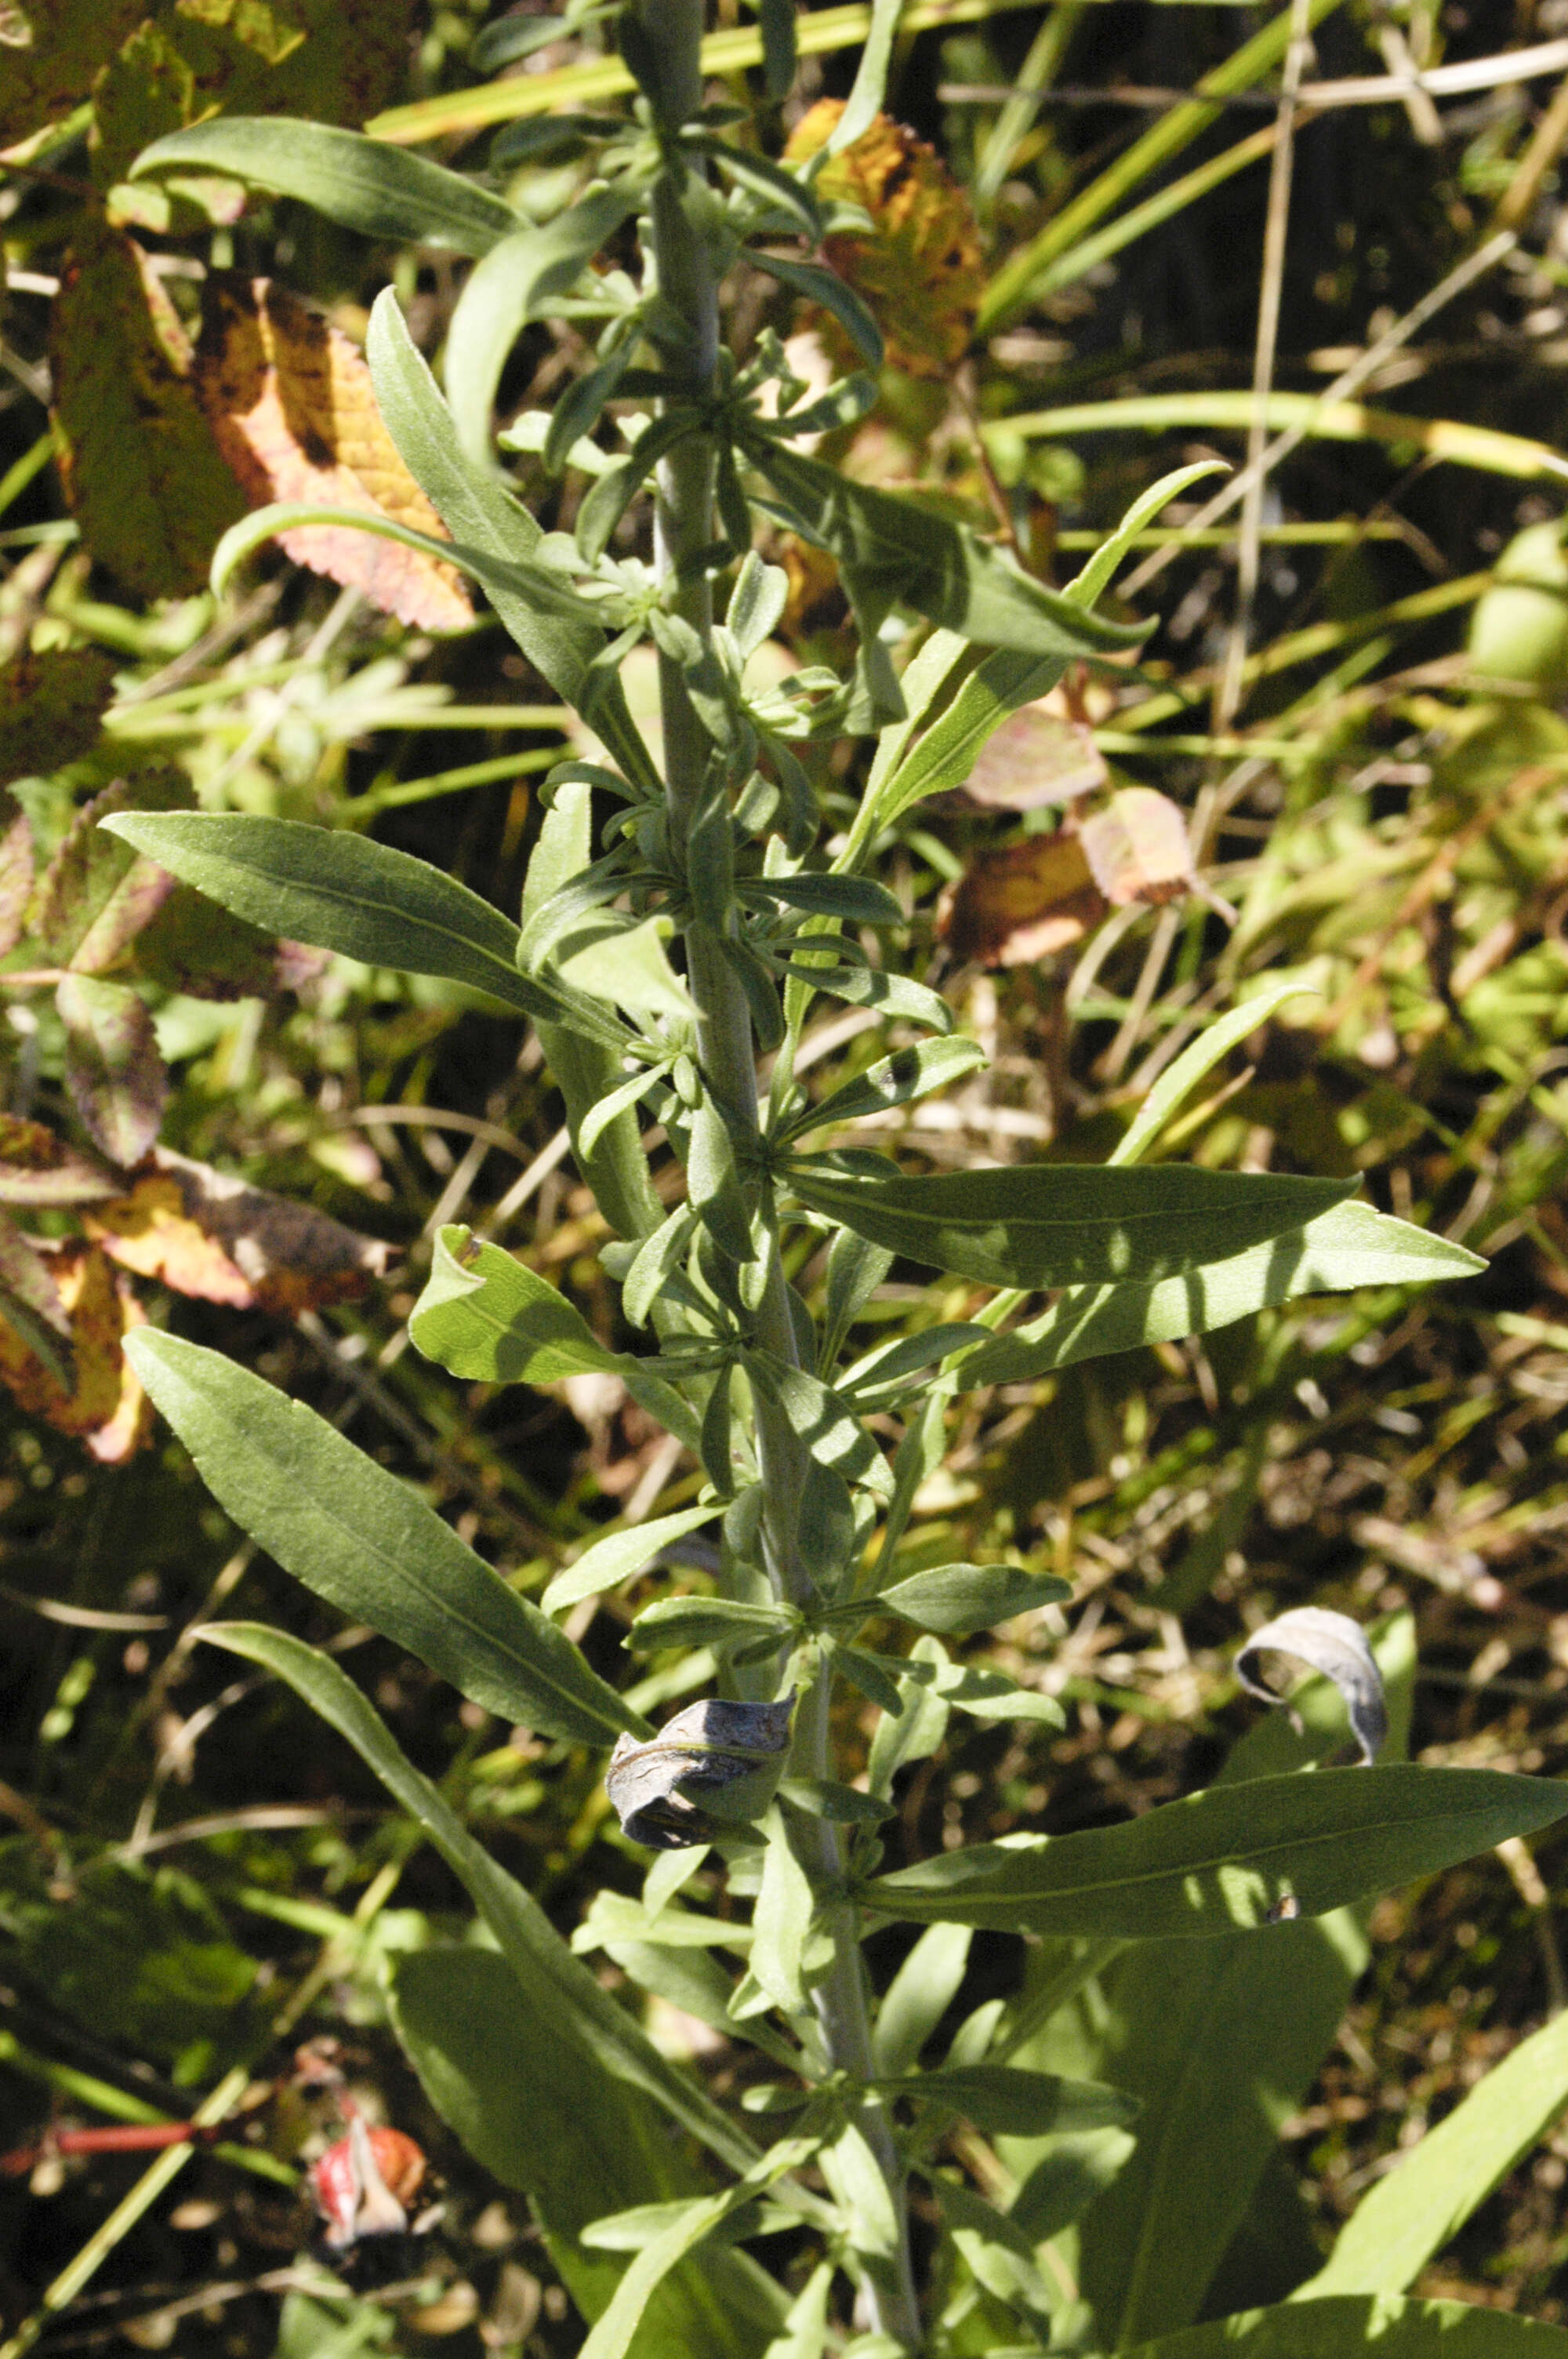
[[683, 528]]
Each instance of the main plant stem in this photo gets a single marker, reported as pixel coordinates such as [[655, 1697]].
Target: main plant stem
[[683, 528]]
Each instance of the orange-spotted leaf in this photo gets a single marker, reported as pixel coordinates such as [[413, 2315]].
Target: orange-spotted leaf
[[117, 1079], [1013, 906], [1137, 848], [49, 708], [291, 406], [202, 1232], [920, 273], [136, 457], [101, 1402], [38, 1168], [1036, 757]]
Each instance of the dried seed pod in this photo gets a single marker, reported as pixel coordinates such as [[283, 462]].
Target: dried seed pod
[[714, 1762], [1335, 1646]]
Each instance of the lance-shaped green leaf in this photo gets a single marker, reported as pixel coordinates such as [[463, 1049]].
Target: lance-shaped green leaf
[[823, 1421], [834, 295], [899, 551], [488, 1317], [1225, 1858], [619, 1555], [343, 892], [956, 1599], [1097, 574], [1407, 2216], [481, 514], [1213, 1042], [628, 964], [1036, 1224], [560, 1995], [513, 285], [1003, 2101], [853, 900], [494, 2073], [118, 1081], [370, 1545], [871, 81], [919, 1995], [892, 1364], [895, 1081], [715, 1622], [1348, 1247], [383, 192], [1376, 2324]]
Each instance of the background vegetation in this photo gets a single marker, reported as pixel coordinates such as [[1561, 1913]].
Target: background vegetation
[[1072, 262]]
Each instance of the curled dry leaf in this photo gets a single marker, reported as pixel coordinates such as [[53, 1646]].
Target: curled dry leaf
[[1335, 1646], [50, 705], [291, 408], [203, 1233], [713, 1761], [920, 274], [1035, 758], [1013, 906], [104, 1404]]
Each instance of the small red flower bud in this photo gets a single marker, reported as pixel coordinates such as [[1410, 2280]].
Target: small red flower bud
[[365, 2182]]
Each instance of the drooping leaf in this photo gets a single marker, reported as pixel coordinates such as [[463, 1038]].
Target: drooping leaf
[[713, 1761], [955, 1599], [919, 271], [370, 1544], [136, 460], [117, 1079], [560, 1997], [206, 1234], [907, 555], [1333, 1645], [485, 1315], [511, 285], [343, 892], [102, 1403], [1347, 1248], [1351, 2324], [50, 705], [1064, 1224], [1410, 2214], [380, 191], [1225, 1858], [292, 409], [495, 2075]]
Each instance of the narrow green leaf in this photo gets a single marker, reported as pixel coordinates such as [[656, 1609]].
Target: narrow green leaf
[[561, 1996], [716, 1622], [619, 1555], [629, 965], [781, 1922], [958, 1598], [852, 900], [823, 286], [1180, 1078], [918, 1997], [902, 552], [945, 756], [1003, 2101], [382, 191], [895, 1081], [1222, 1859], [488, 1317], [341, 891], [1379, 2323], [1407, 2217], [1042, 1224], [892, 1364], [1086, 586], [511, 285], [823, 1421], [1348, 1247], [871, 81], [370, 1544], [495, 2073]]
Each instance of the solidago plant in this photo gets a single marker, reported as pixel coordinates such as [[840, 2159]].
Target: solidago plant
[[683, 914]]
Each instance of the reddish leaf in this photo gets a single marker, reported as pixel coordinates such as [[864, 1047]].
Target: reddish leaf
[[203, 1233], [50, 705], [1137, 848], [1036, 757], [1015, 905], [103, 1403], [292, 409], [98, 893], [36, 1167], [117, 1079]]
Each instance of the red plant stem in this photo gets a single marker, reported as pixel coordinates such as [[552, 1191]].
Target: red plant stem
[[125, 2137]]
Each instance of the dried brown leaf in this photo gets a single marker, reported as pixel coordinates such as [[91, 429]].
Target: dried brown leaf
[[1013, 906], [1137, 848], [53, 49], [205, 1234], [291, 408], [97, 893]]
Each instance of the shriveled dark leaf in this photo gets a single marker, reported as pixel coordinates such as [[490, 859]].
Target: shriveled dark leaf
[[50, 704], [195, 946], [117, 1079], [1335, 1646], [713, 1759], [206, 1233]]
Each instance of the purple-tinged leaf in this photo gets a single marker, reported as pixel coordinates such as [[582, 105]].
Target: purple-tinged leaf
[[117, 1079]]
